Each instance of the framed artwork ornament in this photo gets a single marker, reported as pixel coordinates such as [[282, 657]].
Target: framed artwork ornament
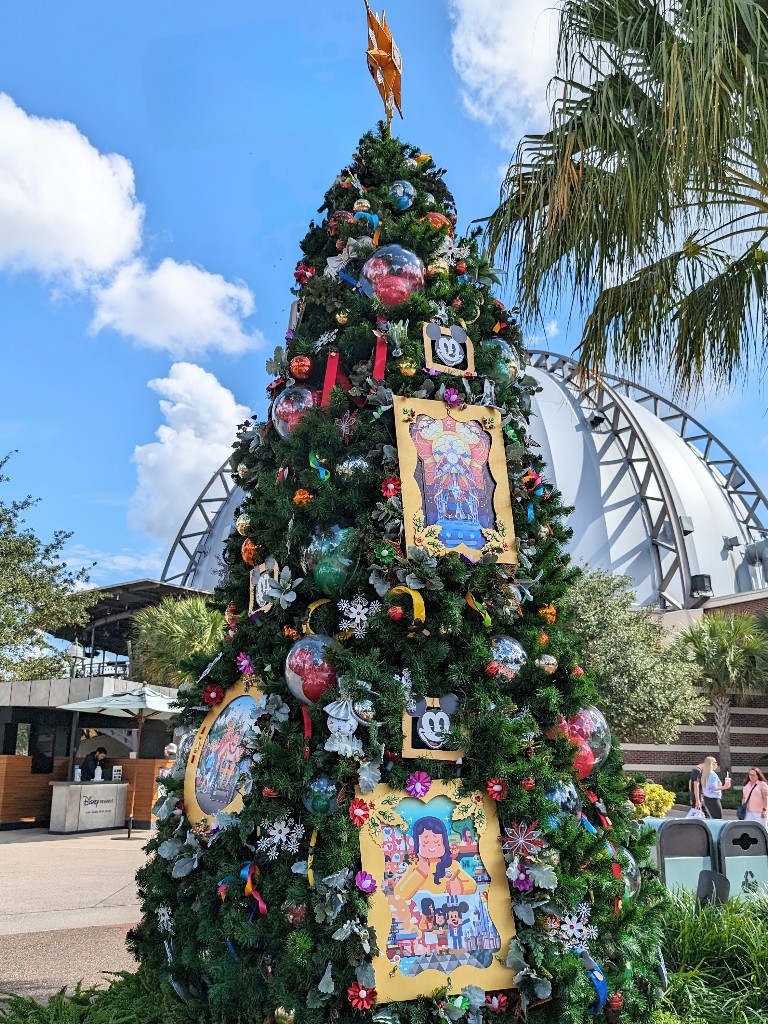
[[219, 757], [441, 911], [448, 349], [455, 487], [426, 724]]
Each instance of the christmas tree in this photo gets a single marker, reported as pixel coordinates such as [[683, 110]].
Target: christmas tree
[[397, 800]]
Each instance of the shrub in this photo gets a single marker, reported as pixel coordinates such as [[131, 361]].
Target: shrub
[[657, 801]]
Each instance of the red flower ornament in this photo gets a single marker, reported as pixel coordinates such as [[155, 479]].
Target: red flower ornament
[[213, 694], [497, 788], [303, 273], [390, 487], [497, 1003], [358, 812], [361, 998]]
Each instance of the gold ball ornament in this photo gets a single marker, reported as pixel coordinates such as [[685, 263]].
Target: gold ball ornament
[[283, 1016], [342, 317], [242, 523], [439, 268], [361, 206]]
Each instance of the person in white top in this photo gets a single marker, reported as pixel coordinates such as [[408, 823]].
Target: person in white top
[[755, 797], [712, 787]]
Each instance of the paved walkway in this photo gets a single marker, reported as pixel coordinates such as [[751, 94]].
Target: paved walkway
[[68, 902]]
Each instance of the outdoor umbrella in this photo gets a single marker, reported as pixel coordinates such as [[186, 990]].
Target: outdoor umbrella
[[140, 704]]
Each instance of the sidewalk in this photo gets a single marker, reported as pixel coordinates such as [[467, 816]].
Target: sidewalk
[[68, 902]]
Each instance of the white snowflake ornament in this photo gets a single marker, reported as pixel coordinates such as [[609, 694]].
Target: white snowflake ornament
[[278, 836], [356, 614]]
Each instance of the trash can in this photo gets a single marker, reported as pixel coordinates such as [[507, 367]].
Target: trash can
[[685, 847], [743, 849]]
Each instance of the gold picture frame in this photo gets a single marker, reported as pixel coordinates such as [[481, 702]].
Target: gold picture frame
[[441, 912], [455, 487], [424, 726], [210, 781], [448, 349]]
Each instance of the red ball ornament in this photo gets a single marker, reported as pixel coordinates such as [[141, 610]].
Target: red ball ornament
[[543, 638], [577, 670], [637, 795], [308, 672], [616, 1001], [528, 784], [300, 367], [584, 761], [395, 612], [438, 220], [492, 668], [461, 267], [393, 291]]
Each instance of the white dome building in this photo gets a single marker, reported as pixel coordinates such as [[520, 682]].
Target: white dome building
[[656, 496]]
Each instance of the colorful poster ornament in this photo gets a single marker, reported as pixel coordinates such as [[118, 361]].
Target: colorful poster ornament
[[455, 488], [441, 910], [220, 757]]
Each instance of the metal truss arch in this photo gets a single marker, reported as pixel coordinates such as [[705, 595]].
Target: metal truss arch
[[612, 398]]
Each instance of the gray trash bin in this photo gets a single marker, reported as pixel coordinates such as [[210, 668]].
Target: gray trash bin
[[685, 848], [743, 849]]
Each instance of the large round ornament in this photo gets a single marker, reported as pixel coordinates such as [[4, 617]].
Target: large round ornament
[[438, 220], [320, 796], [547, 662], [332, 574], [352, 465], [567, 798], [242, 523], [308, 672], [289, 407], [507, 365], [331, 540], [589, 727], [402, 193], [509, 654], [392, 274], [630, 872], [300, 367]]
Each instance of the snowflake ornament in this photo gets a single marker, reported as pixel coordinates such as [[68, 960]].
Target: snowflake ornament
[[164, 920], [279, 836], [356, 614], [574, 929], [523, 840], [452, 251]]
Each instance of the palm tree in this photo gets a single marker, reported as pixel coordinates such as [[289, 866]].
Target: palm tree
[[167, 634], [731, 653], [646, 203]]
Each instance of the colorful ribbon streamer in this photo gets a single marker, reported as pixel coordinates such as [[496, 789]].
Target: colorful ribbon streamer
[[478, 607], [311, 858], [307, 730], [314, 462], [419, 610]]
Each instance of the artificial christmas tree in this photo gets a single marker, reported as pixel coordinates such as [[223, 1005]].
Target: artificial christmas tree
[[397, 801]]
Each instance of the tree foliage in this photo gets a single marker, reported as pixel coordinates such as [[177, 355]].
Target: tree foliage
[[37, 594], [647, 198], [646, 685], [165, 636], [730, 653]]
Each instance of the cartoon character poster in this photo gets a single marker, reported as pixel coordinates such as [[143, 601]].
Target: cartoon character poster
[[218, 758], [455, 486], [426, 725], [442, 912]]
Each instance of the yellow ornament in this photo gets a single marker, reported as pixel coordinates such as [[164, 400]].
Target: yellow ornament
[[407, 367], [302, 497], [439, 268], [342, 317], [548, 612], [242, 524], [361, 206]]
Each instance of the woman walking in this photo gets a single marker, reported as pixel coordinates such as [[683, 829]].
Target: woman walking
[[712, 787], [755, 797]]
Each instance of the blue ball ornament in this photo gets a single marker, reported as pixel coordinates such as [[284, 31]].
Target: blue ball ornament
[[402, 193]]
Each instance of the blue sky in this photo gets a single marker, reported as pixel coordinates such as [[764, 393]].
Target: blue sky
[[158, 165]]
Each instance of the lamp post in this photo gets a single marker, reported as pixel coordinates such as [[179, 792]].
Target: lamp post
[[74, 654]]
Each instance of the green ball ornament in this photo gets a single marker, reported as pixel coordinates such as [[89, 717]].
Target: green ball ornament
[[332, 574], [507, 365], [320, 796]]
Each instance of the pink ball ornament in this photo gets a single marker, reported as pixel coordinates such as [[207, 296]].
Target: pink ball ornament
[[289, 407], [308, 672], [392, 274], [584, 761], [588, 727]]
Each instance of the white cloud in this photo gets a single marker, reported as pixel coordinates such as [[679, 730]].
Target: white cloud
[[177, 307], [504, 54], [70, 214], [66, 210], [201, 416], [114, 566]]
